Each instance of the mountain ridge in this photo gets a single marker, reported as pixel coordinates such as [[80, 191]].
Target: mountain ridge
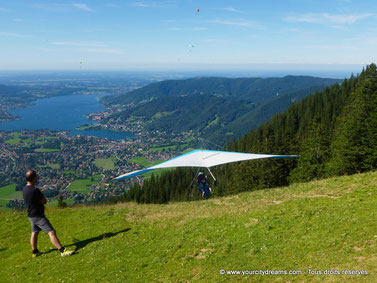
[[256, 99]]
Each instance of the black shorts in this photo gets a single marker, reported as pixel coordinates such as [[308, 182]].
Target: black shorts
[[40, 223]]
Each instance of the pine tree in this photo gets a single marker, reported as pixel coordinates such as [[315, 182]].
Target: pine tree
[[61, 203], [314, 154], [354, 148]]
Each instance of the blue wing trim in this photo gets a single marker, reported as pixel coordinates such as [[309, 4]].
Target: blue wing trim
[[132, 174]]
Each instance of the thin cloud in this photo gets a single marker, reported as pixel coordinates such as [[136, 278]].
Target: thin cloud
[[83, 7], [325, 18], [141, 4], [192, 29], [105, 51], [199, 28], [62, 8], [231, 9], [110, 5], [329, 47], [212, 40], [52, 7], [12, 34], [44, 49], [239, 23], [18, 20], [78, 43], [90, 47], [3, 10], [152, 4]]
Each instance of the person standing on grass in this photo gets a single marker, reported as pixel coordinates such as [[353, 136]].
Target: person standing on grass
[[34, 203]]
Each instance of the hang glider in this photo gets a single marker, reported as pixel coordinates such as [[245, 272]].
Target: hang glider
[[203, 159]]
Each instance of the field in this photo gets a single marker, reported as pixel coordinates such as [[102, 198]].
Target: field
[[161, 148], [51, 165], [15, 140], [83, 185], [144, 162], [83, 127], [8, 193], [311, 229], [46, 150], [54, 202], [28, 141], [105, 163], [3, 204]]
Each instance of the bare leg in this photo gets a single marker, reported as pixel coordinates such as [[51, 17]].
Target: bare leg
[[34, 240], [54, 240]]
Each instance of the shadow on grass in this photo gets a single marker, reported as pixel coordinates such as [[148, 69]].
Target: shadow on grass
[[81, 244]]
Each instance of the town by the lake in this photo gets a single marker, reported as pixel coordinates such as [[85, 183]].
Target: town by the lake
[[80, 168], [76, 156]]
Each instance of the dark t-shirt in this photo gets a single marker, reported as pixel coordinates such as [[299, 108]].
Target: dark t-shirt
[[33, 204]]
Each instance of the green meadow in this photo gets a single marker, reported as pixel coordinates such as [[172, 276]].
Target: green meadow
[[15, 140], [8, 193], [46, 150], [3, 203], [310, 229], [161, 148], [51, 165], [83, 185], [105, 163], [141, 160], [54, 202], [28, 141]]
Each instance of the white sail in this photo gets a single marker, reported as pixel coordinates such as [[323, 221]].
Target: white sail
[[205, 159]]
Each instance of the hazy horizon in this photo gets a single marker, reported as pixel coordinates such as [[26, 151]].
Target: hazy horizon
[[329, 71]]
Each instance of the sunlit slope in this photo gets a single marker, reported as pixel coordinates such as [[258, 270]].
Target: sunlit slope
[[324, 225]]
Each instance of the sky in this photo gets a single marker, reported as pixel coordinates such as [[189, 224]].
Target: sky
[[186, 34]]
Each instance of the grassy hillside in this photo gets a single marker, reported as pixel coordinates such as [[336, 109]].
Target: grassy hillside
[[322, 225]]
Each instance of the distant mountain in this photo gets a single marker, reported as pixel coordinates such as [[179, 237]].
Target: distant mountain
[[252, 89], [29, 93], [216, 108]]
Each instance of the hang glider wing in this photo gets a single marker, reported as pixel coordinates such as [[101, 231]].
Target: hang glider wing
[[205, 159]]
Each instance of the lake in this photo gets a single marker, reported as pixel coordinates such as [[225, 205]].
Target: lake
[[61, 113]]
